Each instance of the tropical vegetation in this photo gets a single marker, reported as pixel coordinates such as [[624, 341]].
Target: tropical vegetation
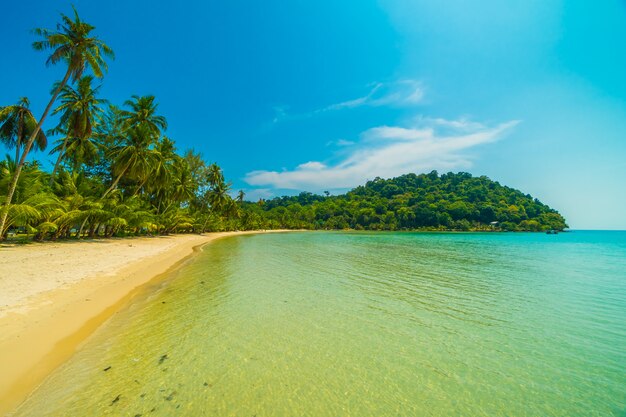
[[413, 202], [117, 173]]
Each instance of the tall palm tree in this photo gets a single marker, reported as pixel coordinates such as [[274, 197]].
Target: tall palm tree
[[17, 123], [143, 113], [215, 175], [79, 110], [165, 168], [218, 197], [182, 185], [73, 44]]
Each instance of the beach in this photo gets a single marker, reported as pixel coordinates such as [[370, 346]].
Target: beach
[[54, 295]]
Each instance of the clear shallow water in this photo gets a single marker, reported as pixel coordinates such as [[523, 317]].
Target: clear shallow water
[[366, 324]]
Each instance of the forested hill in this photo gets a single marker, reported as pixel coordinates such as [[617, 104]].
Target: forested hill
[[426, 201]]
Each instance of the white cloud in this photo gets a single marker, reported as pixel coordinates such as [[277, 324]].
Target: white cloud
[[311, 166], [389, 151], [397, 133], [461, 124], [344, 142], [357, 101], [397, 93], [400, 93]]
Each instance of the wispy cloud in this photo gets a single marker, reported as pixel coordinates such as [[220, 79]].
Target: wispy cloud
[[388, 151], [396, 93], [400, 93]]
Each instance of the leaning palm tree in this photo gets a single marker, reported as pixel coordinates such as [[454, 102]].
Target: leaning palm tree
[[73, 44], [17, 123], [143, 113], [79, 110], [22, 210]]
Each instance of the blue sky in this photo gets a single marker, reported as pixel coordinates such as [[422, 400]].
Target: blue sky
[[323, 95]]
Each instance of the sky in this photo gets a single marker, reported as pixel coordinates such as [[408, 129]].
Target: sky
[[325, 95]]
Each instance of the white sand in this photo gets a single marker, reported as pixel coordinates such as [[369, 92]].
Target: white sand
[[27, 271], [54, 295]]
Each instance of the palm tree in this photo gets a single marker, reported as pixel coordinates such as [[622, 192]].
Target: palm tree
[[78, 150], [162, 167], [17, 123], [215, 175], [240, 196], [143, 113], [135, 157], [219, 198], [79, 109], [73, 44], [25, 209], [183, 183]]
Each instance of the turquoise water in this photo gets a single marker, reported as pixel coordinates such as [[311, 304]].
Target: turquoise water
[[365, 324]]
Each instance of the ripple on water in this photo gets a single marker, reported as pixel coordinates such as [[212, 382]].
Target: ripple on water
[[365, 324]]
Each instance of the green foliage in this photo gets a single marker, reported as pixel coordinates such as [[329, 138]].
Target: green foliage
[[133, 183], [411, 202], [17, 123], [117, 174]]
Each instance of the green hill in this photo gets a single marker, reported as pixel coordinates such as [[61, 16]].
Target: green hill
[[412, 202]]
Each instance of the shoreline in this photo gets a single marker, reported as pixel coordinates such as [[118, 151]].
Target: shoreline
[[45, 318]]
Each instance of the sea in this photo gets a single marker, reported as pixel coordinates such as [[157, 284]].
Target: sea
[[363, 324]]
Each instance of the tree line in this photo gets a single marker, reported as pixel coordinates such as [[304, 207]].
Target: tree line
[[452, 201], [117, 173]]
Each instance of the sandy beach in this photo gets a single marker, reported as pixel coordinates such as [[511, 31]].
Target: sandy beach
[[54, 295]]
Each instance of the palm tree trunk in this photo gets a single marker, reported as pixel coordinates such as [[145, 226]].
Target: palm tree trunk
[[18, 143], [29, 144], [58, 162], [119, 177], [82, 226], [140, 186], [93, 230]]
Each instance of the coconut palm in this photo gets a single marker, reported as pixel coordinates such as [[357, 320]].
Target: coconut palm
[[79, 110], [30, 182], [17, 123], [183, 186], [78, 150], [25, 210], [240, 196], [162, 168], [73, 44], [143, 113], [218, 197], [135, 157], [215, 175], [33, 213], [128, 214]]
